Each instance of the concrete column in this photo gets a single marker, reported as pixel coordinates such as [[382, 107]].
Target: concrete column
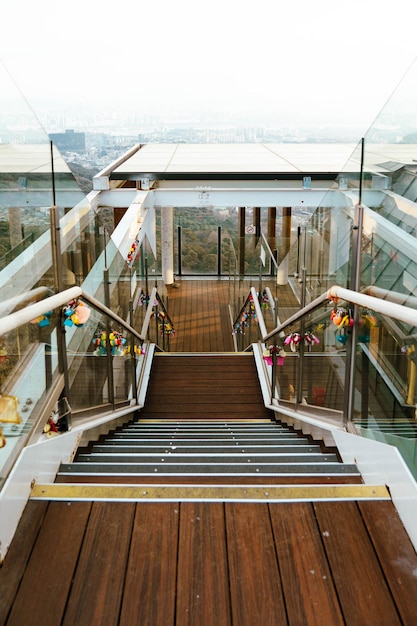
[[15, 226], [272, 219], [282, 275], [167, 241], [257, 221]]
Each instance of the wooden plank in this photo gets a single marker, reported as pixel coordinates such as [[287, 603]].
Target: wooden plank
[[45, 586], [255, 583], [150, 586], [396, 555], [98, 582], [196, 310], [203, 586], [309, 592], [13, 567], [360, 583]]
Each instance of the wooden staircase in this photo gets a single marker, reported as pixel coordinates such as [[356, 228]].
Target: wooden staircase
[[207, 453], [204, 422], [206, 511], [207, 386]]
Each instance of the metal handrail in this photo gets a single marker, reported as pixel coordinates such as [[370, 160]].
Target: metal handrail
[[8, 306], [31, 312], [390, 309]]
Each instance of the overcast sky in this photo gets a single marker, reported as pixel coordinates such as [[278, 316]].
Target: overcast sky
[[323, 60]]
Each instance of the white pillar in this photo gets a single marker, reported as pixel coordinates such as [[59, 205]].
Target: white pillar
[[167, 240], [282, 273]]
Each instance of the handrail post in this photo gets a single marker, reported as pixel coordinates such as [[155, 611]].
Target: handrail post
[[273, 371], [133, 353]]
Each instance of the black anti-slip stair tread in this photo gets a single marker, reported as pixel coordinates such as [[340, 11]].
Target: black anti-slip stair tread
[[200, 469], [225, 459], [210, 432], [196, 440], [289, 449], [213, 429], [196, 437], [201, 423]]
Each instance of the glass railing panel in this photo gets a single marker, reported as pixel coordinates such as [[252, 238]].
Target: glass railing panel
[[389, 161], [405, 441], [99, 358], [387, 263], [33, 178], [383, 412], [82, 242], [28, 370], [313, 368], [386, 358], [320, 383]]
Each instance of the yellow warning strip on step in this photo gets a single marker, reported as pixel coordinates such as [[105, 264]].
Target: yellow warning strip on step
[[267, 493]]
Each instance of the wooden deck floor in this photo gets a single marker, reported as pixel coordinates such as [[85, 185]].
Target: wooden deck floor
[[200, 312], [192, 563]]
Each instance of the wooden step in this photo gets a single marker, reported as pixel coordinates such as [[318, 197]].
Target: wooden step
[[204, 386], [210, 453]]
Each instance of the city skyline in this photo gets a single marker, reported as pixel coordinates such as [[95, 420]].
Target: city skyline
[[306, 64]]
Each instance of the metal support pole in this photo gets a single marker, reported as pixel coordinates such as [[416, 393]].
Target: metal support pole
[[146, 279], [219, 250], [179, 231], [241, 235], [57, 271], [260, 289], [53, 173], [132, 353], [300, 368], [109, 355], [355, 282], [274, 371]]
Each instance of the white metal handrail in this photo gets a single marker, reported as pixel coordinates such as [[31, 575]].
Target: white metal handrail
[[390, 309], [31, 312]]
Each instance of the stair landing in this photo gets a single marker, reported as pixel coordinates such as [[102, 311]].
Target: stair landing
[[184, 563]]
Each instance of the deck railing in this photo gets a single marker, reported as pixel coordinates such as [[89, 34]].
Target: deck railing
[[70, 350], [332, 359]]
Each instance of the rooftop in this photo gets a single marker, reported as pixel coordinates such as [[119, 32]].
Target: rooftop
[[266, 161]]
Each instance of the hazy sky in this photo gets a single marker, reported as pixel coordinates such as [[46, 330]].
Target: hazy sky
[[322, 60]]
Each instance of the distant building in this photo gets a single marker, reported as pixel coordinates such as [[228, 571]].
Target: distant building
[[69, 141]]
